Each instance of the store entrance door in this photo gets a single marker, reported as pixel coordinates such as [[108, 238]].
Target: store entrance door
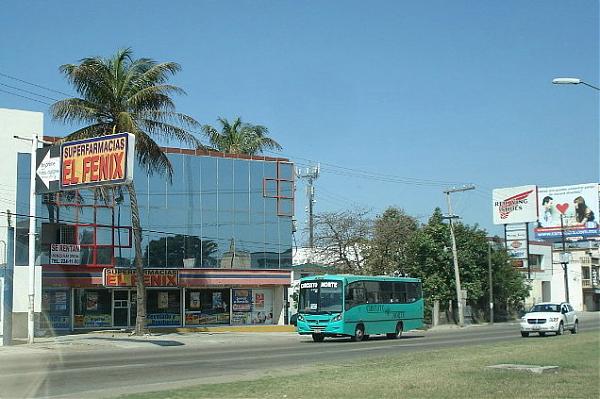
[[120, 308]]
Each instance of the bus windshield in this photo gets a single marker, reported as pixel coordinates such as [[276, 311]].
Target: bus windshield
[[319, 297]]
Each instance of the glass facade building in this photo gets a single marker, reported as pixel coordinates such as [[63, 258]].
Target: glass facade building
[[216, 212]]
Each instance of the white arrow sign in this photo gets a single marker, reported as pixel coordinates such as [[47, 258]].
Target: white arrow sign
[[49, 169]]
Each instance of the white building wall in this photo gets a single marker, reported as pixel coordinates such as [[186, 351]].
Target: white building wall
[[17, 123], [14, 122], [539, 275]]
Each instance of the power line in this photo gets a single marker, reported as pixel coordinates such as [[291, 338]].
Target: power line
[[29, 92], [342, 170], [35, 85], [22, 96]]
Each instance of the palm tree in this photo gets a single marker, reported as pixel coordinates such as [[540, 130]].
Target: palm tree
[[123, 94], [239, 137]]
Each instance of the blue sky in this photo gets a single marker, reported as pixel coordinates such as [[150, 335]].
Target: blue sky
[[431, 93]]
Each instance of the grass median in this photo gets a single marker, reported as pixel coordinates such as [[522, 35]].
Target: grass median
[[459, 372]]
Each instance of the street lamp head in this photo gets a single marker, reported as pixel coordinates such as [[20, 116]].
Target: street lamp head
[[566, 81]]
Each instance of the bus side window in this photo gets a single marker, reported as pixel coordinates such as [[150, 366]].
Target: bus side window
[[387, 291], [400, 292], [413, 292], [373, 293], [355, 295]]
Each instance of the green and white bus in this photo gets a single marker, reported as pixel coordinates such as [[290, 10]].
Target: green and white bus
[[358, 306]]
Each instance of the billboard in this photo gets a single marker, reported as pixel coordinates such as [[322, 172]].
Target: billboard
[[105, 160], [576, 205], [514, 205]]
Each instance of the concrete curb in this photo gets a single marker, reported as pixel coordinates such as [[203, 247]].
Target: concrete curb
[[233, 329]]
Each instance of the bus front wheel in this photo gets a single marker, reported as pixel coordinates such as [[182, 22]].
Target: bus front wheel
[[359, 333], [398, 333], [318, 337]]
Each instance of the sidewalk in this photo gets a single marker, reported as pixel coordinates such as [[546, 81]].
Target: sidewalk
[[120, 339]]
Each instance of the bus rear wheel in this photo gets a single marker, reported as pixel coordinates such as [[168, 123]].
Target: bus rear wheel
[[318, 337], [398, 333], [359, 333]]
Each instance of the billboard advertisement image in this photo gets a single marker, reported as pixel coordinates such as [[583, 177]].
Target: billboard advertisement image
[[576, 205], [514, 205]]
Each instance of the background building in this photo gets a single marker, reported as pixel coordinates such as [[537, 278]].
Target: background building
[[217, 244]]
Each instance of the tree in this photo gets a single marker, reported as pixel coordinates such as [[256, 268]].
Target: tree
[[239, 137], [341, 239], [123, 94], [430, 258], [392, 231]]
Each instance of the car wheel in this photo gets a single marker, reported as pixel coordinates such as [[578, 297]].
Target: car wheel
[[398, 333], [318, 337], [561, 329], [575, 328], [359, 333], [524, 334]]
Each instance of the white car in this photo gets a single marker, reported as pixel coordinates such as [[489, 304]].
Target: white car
[[549, 317]]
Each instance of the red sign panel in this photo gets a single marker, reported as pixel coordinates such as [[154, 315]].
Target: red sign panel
[[113, 277]]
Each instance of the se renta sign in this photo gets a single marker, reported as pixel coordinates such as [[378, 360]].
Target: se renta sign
[[106, 160], [515, 204]]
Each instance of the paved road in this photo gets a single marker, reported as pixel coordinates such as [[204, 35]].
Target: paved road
[[117, 366]]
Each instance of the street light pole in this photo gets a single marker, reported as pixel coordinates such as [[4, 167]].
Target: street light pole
[[573, 81], [459, 296], [491, 288], [564, 261]]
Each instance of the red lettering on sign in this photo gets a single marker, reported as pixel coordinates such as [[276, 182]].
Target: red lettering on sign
[[105, 167], [111, 279], [68, 175], [155, 281], [94, 168], [117, 173], [87, 167]]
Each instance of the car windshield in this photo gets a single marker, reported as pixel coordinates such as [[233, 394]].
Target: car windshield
[[545, 308], [320, 297]]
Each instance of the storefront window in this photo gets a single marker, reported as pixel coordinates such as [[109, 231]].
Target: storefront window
[[164, 307], [92, 308], [252, 306], [210, 306], [56, 309]]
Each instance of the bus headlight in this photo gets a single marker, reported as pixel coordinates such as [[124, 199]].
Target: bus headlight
[[337, 318], [300, 317]]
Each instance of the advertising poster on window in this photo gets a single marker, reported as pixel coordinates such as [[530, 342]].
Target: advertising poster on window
[[163, 300], [242, 300], [217, 300], [194, 300], [259, 300], [60, 301], [240, 318], [91, 302], [577, 207], [262, 307], [164, 319]]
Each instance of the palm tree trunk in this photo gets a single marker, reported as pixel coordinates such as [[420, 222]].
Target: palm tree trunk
[[140, 320]]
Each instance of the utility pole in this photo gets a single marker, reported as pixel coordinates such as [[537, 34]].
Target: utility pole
[[491, 288], [564, 258], [310, 174], [459, 296]]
